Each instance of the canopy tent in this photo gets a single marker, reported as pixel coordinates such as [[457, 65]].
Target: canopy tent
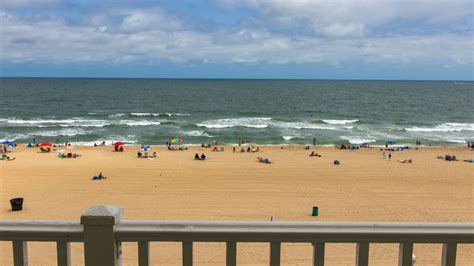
[[45, 144]]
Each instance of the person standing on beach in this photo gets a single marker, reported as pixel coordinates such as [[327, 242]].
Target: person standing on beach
[[314, 141], [389, 156], [383, 155]]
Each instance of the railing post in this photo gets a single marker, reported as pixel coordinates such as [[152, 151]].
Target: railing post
[[63, 251], [275, 253], [231, 254], [20, 253], [362, 254], [405, 254], [143, 253], [187, 253], [100, 246], [318, 254], [448, 257]]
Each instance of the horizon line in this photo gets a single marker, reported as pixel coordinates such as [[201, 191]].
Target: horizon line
[[207, 78]]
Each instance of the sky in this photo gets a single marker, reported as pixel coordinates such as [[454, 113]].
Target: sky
[[300, 39]]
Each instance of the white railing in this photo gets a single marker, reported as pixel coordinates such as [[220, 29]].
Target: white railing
[[102, 233]]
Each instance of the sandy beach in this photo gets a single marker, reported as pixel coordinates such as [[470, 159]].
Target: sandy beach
[[234, 186]]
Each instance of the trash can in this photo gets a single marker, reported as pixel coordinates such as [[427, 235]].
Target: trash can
[[315, 211], [17, 204]]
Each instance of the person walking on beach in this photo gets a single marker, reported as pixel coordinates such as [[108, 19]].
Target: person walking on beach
[[389, 156], [383, 155]]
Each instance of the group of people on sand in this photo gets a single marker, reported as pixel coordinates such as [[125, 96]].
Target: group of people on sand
[[200, 158], [264, 160], [314, 154], [172, 148], [218, 149], [99, 145], [6, 157], [100, 176], [384, 155], [249, 149], [68, 155], [448, 157], [145, 152]]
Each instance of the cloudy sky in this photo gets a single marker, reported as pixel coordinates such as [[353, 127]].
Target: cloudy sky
[[346, 39]]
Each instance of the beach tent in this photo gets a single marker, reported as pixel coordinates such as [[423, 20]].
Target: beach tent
[[176, 141], [45, 144]]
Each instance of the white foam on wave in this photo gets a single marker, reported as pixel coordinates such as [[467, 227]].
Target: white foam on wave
[[116, 115], [64, 132], [139, 123], [251, 122], [196, 133], [339, 121], [357, 139], [302, 125], [78, 122], [446, 127], [73, 122], [287, 138], [141, 114], [158, 114]]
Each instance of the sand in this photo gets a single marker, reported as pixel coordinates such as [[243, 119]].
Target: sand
[[234, 186]]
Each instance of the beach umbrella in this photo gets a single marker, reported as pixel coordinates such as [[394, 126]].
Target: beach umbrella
[[146, 149], [45, 144], [8, 143], [176, 141], [119, 143], [391, 142]]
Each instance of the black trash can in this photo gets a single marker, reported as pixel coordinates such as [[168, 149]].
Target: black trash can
[[17, 204]]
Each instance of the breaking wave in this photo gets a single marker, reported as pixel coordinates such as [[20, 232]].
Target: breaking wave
[[339, 122], [251, 122], [446, 127]]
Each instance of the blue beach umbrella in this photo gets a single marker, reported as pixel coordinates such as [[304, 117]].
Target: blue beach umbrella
[[391, 142], [8, 143]]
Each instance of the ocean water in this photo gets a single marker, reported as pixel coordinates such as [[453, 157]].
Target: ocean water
[[152, 111]]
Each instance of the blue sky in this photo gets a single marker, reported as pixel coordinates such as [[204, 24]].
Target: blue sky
[[365, 39]]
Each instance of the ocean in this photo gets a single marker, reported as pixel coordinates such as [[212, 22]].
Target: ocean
[[265, 112]]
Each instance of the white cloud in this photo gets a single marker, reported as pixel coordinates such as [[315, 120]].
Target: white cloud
[[351, 18], [27, 3], [151, 35]]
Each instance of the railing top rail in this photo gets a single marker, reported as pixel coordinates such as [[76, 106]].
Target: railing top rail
[[69, 231], [376, 232], [381, 232]]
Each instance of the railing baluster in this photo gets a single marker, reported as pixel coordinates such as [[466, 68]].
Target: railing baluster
[[275, 253], [187, 253], [143, 253], [362, 254], [63, 251], [318, 254], [20, 253], [231, 254], [448, 257], [405, 254]]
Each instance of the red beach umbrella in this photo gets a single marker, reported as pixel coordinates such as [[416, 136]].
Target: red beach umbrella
[[119, 143], [45, 144]]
